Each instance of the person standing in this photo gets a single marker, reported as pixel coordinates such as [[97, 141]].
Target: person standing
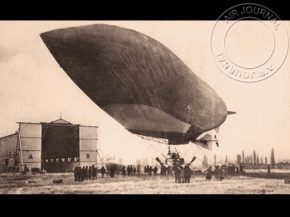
[[155, 170], [181, 176], [83, 172], [90, 172], [128, 170], [86, 172], [187, 174], [123, 170], [150, 171], [208, 174], [103, 171], [93, 172], [145, 170], [76, 174], [176, 173], [138, 169], [113, 169], [162, 170]]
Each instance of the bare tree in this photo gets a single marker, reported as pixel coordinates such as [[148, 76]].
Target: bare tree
[[243, 157], [239, 158], [272, 157]]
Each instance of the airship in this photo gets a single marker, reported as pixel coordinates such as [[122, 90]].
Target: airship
[[138, 81]]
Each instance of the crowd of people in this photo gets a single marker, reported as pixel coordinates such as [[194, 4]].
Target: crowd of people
[[91, 172], [85, 173], [149, 170], [131, 170], [164, 171], [220, 172], [182, 173]]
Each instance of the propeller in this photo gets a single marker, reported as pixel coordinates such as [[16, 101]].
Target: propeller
[[193, 159]]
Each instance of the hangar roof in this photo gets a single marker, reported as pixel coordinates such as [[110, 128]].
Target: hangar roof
[[60, 121]]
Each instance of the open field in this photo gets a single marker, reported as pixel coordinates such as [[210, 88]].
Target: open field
[[43, 184], [285, 171]]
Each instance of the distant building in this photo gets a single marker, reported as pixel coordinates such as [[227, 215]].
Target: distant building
[[57, 146]]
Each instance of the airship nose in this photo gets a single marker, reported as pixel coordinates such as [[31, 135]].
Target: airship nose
[[55, 42], [59, 42], [52, 39], [64, 44], [55, 37]]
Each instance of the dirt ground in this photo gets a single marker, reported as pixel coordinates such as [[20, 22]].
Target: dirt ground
[[43, 184]]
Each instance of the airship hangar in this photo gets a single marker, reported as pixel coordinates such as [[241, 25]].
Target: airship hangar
[[57, 146]]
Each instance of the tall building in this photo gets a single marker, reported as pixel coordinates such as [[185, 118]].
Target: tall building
[[57, 146]]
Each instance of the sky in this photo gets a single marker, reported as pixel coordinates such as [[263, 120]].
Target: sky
[[34, 88]]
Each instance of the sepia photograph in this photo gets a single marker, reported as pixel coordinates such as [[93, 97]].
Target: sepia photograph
[[146, 107]]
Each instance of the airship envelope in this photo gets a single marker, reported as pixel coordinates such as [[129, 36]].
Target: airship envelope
[[137, 81]]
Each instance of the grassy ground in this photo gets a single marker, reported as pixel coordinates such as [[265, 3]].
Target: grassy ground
[[43, 184]]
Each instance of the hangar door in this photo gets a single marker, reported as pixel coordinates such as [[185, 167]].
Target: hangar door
[[60, 146]]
